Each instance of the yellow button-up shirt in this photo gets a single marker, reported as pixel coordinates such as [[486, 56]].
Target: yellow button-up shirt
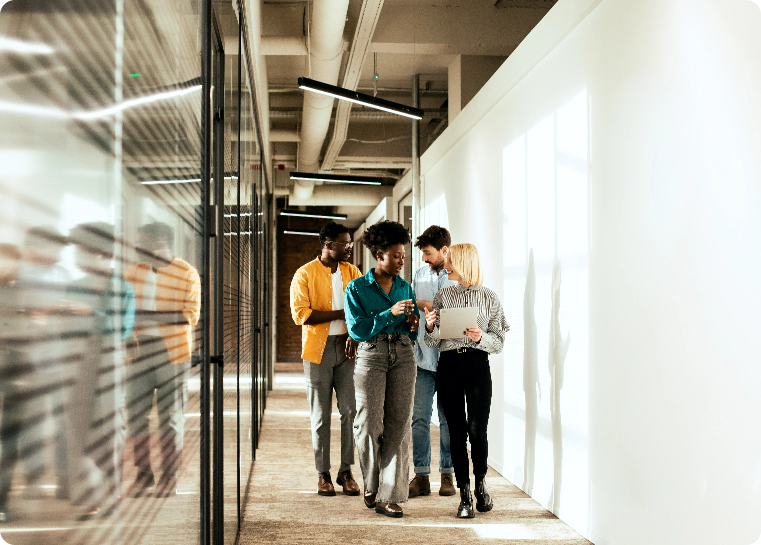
[[312, 289], [178, 289]]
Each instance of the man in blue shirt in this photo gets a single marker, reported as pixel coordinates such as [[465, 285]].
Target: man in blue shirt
[[430, 278]]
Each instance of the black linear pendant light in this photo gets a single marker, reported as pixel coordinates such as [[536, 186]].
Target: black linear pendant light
[[335, 178], [360, 98], [319, 215], [308, 233]]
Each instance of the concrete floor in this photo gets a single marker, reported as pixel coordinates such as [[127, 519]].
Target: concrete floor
[[284, 507]]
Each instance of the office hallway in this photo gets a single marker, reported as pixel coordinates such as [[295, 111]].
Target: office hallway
[[284, 507]]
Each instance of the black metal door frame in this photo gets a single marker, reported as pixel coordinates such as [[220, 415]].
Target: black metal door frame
[[212, 312], [206, 133], [218, 244]]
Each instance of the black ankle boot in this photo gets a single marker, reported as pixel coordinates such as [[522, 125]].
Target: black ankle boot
[[465, 510], [483, 498]]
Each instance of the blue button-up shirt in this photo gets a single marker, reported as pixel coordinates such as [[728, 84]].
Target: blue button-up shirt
[[367, 308], [425, 284]]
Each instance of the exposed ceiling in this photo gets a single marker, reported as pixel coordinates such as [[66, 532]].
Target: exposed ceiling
[[437, 39]]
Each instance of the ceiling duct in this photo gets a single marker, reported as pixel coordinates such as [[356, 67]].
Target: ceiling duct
[[284, 45], [363, 36], [325, 52]]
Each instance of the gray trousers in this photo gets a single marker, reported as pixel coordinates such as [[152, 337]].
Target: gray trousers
[[384, 380], [153, 373], [334, 372]]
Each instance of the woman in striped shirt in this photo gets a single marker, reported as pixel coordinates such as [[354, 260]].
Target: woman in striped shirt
[[463, 375]]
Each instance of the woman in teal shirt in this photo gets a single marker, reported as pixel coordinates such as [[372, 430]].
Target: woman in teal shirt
[[381, 314]]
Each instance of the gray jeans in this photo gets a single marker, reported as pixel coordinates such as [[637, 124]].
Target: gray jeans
[[334, 372], [384, 380]]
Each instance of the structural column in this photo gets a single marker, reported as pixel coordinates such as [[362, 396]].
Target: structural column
[[416, 189]]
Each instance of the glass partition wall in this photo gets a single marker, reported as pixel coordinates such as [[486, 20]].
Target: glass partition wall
[[133, 273]]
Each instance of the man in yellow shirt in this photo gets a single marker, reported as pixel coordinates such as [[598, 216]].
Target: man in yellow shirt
[[168, 301], [317, 303]]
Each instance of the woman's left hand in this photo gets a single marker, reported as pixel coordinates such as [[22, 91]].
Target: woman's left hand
[[414, 321], [473, 333]]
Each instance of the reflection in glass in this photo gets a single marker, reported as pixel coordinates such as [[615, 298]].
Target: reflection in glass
[[101, 245]]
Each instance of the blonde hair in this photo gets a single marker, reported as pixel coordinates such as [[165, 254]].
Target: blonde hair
[[465, 260]]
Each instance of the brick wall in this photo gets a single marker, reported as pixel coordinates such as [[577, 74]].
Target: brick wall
[[293, 251]]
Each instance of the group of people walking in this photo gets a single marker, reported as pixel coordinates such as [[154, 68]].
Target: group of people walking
[[361, 339], [87, 356]]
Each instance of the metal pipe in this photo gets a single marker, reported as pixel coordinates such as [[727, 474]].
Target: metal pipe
[[205, 477], [239, 301], [325, 54], [217, 292]]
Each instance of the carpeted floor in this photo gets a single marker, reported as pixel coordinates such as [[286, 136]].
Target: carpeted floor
[[284, 506]]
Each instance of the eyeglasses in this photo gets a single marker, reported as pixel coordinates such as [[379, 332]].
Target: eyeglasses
[[348, 245]]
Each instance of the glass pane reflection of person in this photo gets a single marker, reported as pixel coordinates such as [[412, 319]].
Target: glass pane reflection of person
[[463, 376], [382, 315], [35, 413], [103, 306], [11, 371], [168, 296]]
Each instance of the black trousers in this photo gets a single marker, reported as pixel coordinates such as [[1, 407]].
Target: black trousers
[[462, 379]]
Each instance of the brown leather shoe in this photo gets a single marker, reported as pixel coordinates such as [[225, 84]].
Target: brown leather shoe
[[143, 481], [325, 485], [447, 486], [389, 509], [350, 486], [369, 499], [420, 486]]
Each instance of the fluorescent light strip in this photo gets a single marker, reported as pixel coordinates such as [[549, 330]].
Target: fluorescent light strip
[[335, 178], [360, 102], [159, 182], [305, 215], [57, 113], [236, 215], [105, 112], [31, 109], [51, 529], [316, 178], [359, 98], [17, 46], [301, 233]]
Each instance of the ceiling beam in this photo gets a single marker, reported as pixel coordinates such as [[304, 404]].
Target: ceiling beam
[[373, 162]]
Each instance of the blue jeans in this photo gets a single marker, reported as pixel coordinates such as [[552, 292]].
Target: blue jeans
[[425, 387]]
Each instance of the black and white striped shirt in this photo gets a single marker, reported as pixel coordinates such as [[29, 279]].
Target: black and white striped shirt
[[491, 318]]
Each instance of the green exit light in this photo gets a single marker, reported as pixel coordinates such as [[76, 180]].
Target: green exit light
[[134, 75]]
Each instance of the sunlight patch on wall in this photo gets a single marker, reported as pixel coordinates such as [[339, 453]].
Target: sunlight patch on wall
[[545, 282]]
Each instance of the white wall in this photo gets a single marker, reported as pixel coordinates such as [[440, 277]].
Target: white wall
[[618, 148], [383, 211]]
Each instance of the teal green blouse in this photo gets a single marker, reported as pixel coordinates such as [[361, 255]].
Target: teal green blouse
[[367, 308]]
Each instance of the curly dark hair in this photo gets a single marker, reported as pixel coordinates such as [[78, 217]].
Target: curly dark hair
[[330, 232], [383, 234], [435, 236]]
